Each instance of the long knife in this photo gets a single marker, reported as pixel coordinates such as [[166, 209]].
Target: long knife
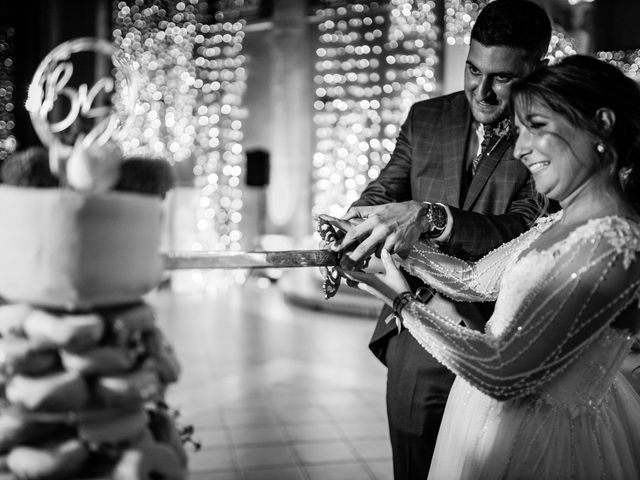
[[268, 259], [329, 228]]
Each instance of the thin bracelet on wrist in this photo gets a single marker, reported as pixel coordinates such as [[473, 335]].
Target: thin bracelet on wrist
[[400, 301]]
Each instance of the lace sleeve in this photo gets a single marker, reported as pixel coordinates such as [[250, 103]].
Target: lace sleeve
[[462, 280], [589, 284]]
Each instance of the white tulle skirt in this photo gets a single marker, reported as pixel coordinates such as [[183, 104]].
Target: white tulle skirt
[[482, 438]]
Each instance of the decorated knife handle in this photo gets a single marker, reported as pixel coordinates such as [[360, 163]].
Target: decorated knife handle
[[332, 230]]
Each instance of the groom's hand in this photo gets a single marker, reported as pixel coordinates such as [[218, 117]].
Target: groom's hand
[[395, 227]]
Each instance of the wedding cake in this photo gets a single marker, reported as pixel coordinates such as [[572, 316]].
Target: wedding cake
[[83, 365]]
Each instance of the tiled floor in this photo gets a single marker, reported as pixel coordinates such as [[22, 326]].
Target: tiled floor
[[275, 391]]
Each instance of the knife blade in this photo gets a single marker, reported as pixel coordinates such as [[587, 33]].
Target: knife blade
[[267, 259]]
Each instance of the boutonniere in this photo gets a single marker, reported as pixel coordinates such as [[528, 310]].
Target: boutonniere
[[495, 133]]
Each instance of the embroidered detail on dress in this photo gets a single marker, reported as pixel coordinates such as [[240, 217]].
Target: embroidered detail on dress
[[622, 234], [499, 362]]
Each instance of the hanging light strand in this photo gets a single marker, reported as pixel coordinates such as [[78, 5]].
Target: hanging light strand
[[8, 142], [626, 60], [192, 80], [372, 62]]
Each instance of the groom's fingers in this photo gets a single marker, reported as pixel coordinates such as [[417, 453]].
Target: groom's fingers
[[358, 212], [362, 251], [356, 233], [363, 223]]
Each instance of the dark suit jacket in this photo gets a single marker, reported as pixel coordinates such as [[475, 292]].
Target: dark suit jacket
[[428, 164]]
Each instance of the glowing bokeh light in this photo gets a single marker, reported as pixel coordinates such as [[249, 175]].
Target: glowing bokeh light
[[192, 81], [373, 61], [7, 92]]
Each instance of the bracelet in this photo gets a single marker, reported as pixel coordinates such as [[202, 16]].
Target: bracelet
[[424, 293], [400, 301]]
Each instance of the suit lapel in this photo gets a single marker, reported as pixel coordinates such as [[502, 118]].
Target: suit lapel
[[485, 169], [455, 142]]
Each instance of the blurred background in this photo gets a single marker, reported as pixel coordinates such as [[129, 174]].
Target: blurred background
[[271, 112]]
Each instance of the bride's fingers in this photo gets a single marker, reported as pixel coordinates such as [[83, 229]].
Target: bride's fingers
[[393, 276], [355, 276], [387, 261], [362, 286], [375, 265], [353, 283]]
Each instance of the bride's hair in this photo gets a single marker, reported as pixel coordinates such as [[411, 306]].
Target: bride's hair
[[576, 88]]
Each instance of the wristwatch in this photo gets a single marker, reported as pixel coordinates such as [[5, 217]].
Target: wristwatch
[[436, 216]]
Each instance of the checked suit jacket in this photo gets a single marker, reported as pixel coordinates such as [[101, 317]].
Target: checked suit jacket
[[428, 164]]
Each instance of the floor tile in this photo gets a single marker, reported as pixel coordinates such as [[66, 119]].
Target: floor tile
[[363, 428], [250, 435], [217, 475], [212, 459], [372, 449], [265, 456], [304, 414], [250, 417], [338, 471], [324, 451], [313, 432], [212, 438], [355, 411], [275, 391], [382, 469], [285, 473]]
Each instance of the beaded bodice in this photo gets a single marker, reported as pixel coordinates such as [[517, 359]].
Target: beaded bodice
[[586, 380], [554, 330]]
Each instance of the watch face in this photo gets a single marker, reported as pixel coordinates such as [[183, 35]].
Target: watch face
[[438, 217]]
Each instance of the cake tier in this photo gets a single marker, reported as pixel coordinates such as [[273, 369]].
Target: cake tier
[[69, 250]]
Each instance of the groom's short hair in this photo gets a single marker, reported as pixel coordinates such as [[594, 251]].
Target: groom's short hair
[[515, 24]]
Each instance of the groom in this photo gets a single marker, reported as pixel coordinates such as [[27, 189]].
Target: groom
[[452, 178]]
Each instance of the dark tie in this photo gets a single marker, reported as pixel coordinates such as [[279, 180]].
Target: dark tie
[[491, 138], [492, 135]]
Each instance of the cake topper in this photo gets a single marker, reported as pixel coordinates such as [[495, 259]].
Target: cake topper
[[71, 115]]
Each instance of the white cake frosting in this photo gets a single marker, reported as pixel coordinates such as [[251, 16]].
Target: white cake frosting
[[71, 250]]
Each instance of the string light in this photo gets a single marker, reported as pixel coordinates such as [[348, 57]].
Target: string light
[[561, 44], [372, 62], [460, 15], [626, 60], [192, 80], [7, 90], [220, 156]]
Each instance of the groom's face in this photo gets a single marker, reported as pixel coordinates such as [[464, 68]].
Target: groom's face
[[488, 76]]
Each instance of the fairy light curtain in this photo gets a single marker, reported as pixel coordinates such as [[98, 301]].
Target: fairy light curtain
[[190, 107], [627, 60], [373, 60], [460, 15], [7, 90]]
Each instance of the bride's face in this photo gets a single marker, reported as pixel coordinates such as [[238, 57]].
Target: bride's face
[[559, 155]]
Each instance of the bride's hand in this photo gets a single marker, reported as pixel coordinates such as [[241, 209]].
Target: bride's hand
[[385, 286]]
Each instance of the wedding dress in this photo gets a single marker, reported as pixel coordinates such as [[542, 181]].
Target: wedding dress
[[538, 395]]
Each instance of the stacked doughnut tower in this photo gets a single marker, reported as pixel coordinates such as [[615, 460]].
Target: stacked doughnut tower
[[83, 365]]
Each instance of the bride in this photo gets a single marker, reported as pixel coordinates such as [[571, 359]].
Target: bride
[[539, 394]]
